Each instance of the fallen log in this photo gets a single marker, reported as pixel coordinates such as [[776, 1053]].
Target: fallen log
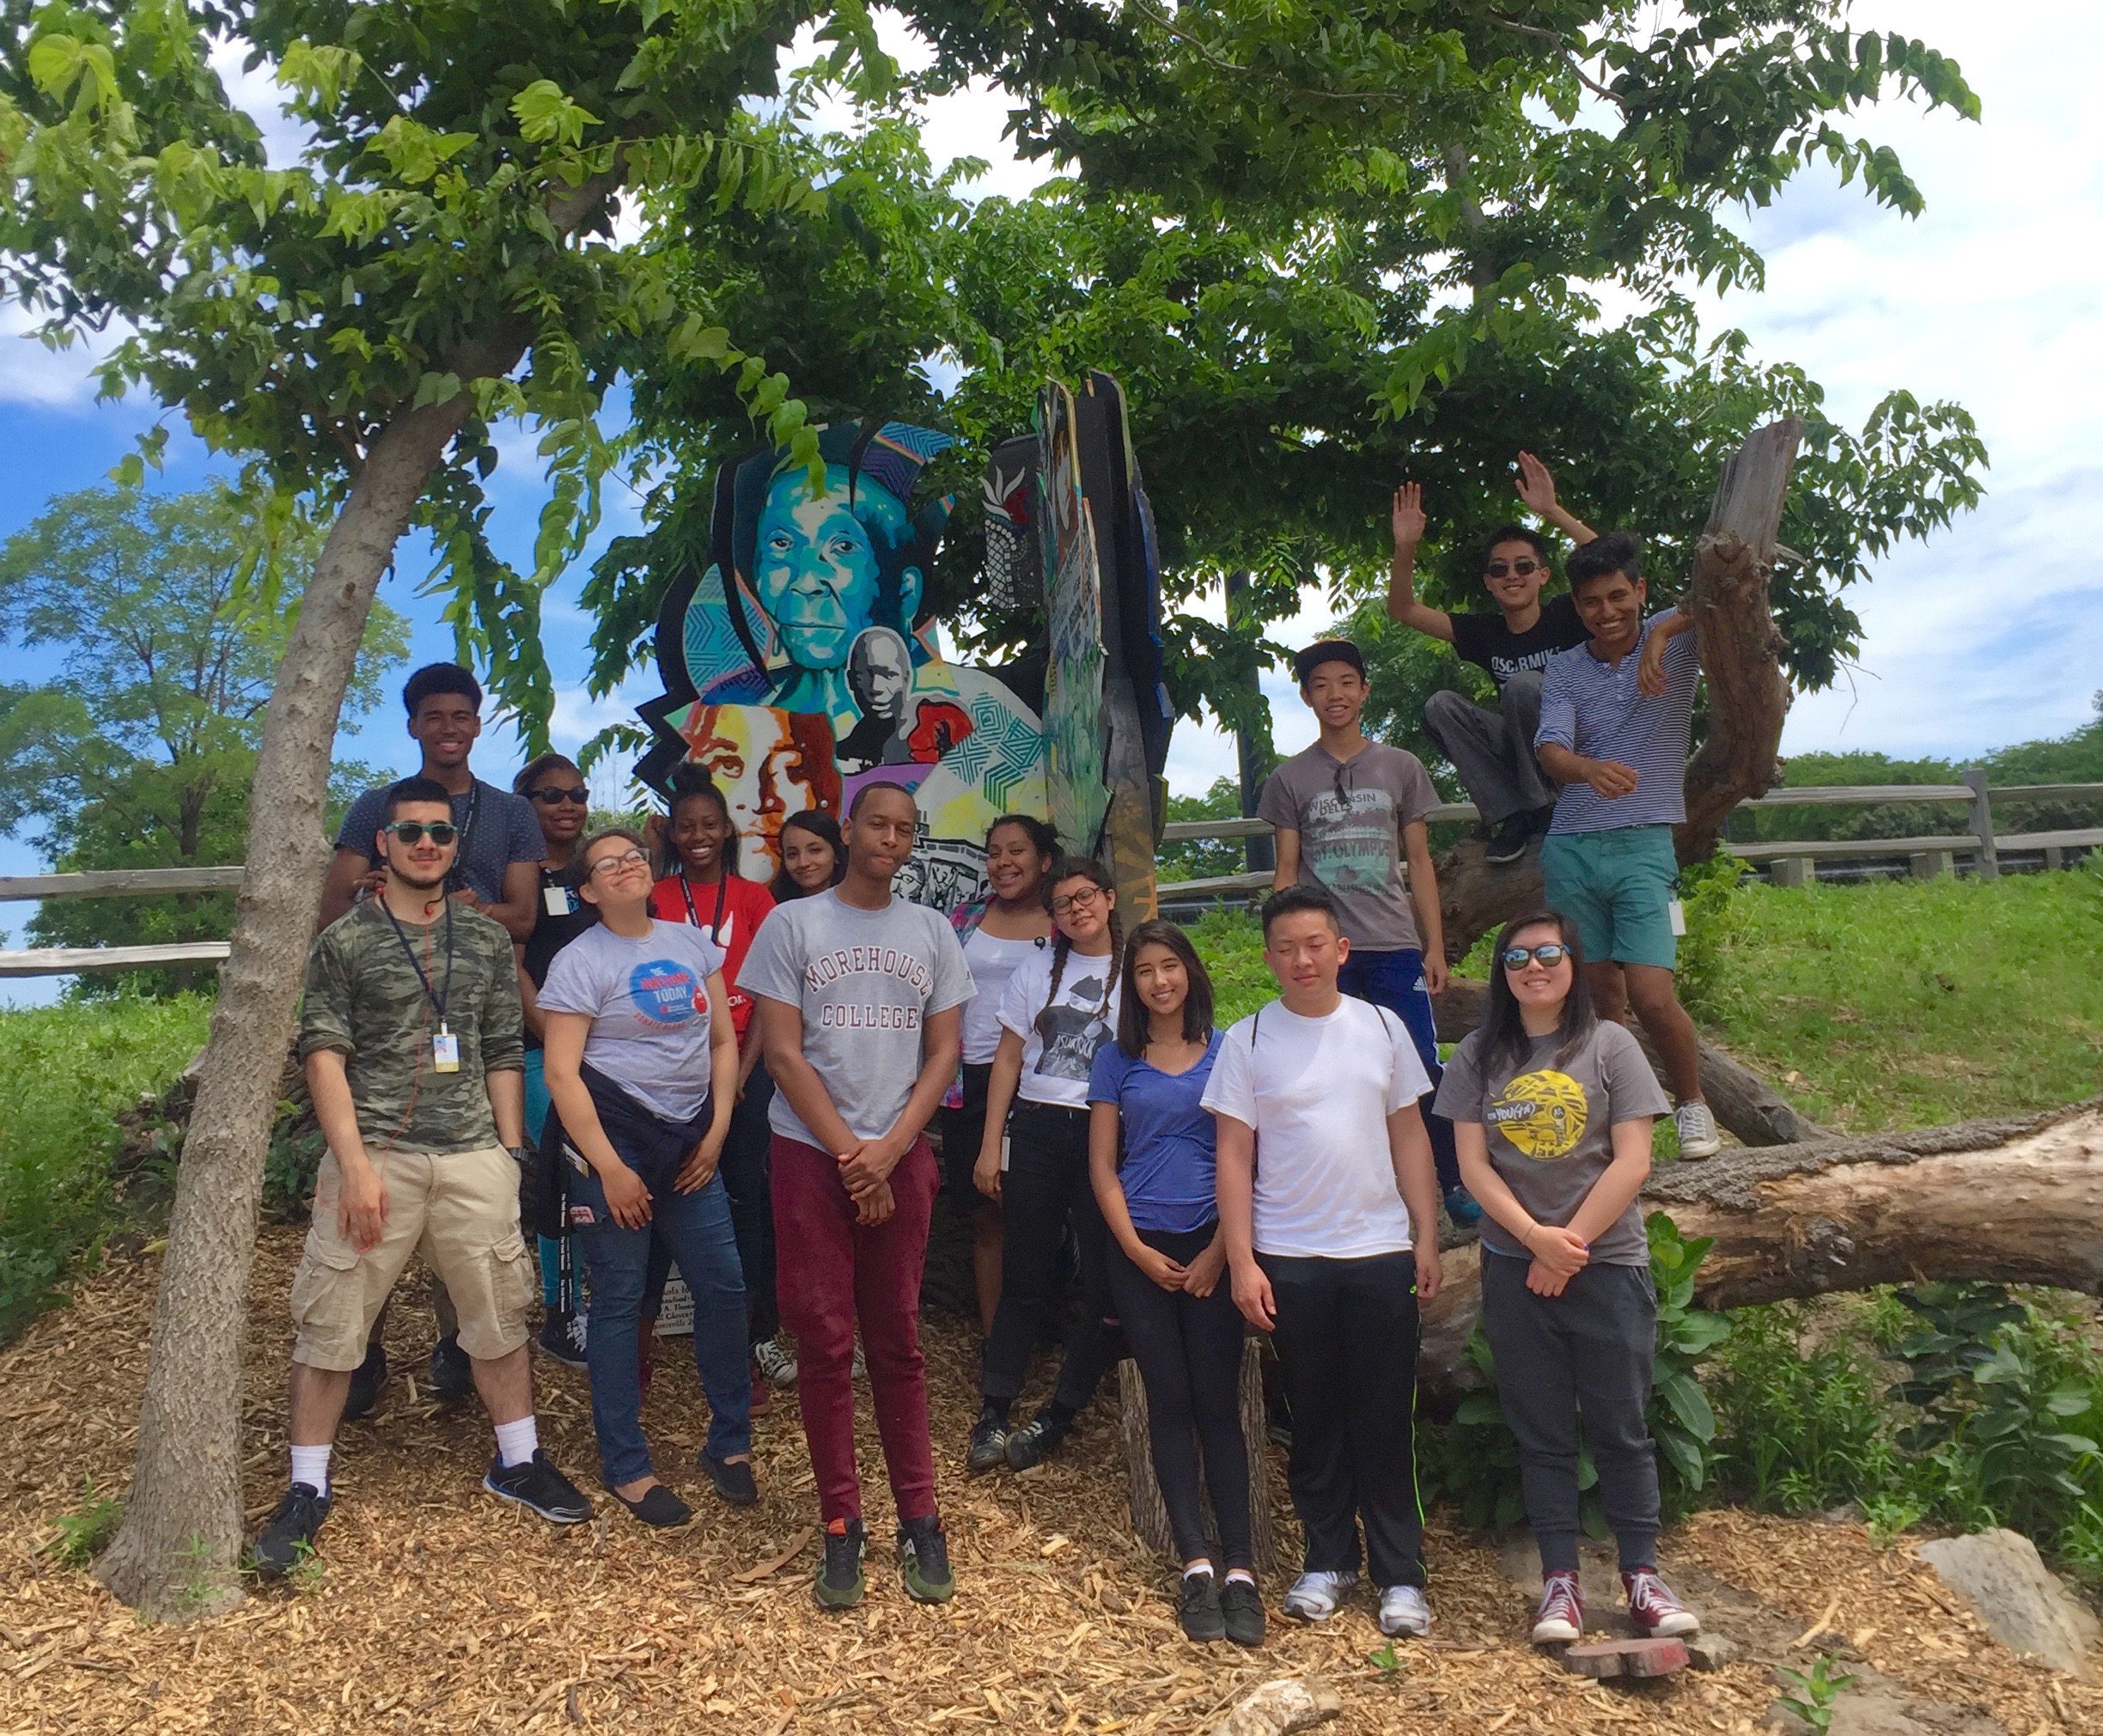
[[2017, 1201]]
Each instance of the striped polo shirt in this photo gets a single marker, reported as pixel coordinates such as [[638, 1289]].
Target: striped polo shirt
[[1596, 710]]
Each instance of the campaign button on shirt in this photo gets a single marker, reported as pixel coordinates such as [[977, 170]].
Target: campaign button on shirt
[[646, 998], [664, 992]]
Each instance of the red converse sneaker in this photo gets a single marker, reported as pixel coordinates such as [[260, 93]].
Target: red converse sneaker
[[1655, 1611], [1560, 1619]]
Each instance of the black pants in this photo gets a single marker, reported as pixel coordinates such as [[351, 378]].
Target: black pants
[[1046, 1187], [1346, 1336], [963, 1130], [1189, 1352], [748, 1181], [1589, 1349]]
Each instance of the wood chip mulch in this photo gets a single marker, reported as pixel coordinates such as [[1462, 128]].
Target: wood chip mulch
[[434, 1609]]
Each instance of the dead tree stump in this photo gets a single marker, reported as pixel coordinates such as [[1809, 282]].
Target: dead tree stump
[[1149, 1517]]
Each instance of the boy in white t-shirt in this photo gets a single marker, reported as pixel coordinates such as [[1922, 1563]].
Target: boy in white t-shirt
[[1332, 1238]]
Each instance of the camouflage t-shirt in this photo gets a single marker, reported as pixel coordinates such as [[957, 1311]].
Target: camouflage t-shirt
[[365, 997]]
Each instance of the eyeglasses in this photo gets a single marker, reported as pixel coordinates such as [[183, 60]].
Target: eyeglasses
[[1514, 958], [550, 796], [1083, 899], [442, 832], [1524, 570], [626, 859]]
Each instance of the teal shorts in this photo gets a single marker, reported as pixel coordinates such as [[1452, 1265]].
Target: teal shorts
[[1617, 886]]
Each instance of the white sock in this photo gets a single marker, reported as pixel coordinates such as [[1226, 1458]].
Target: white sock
[[1202, 1567], [516, 1443], [1241, 1574], [310, 1466]]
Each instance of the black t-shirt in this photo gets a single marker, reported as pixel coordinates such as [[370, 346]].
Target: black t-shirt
[[1486, 640], [552, 932]]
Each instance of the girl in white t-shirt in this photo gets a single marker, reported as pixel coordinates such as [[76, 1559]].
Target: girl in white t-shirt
[[1059, 1009]]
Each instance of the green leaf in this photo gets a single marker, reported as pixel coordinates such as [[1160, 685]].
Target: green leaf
[[547, 115]]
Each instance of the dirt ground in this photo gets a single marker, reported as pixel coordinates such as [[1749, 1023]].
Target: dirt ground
[[436, 1609]]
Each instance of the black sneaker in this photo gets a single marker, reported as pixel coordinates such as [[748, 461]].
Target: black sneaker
[[452, 1372], [1509, 840], [1199, 1609], [289, 1535], [366, 1381], [1243, 1611], [839, 1575], [539, 1485], [1036, 1440], [988, 1445], [562, 1337], [735, 1483], [924, 1560]]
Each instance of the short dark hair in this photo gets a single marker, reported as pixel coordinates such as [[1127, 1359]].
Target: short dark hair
[[399, 795], [1327, 651], [1134, 1023], [1290, 901], [533, 769], [870, 789], [1516, 533], [439, 677], [1610, 553]]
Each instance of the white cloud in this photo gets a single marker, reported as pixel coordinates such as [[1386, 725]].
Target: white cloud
[[32, 373]]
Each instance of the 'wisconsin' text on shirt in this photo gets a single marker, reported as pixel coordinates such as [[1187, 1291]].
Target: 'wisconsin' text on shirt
[[867, 961]]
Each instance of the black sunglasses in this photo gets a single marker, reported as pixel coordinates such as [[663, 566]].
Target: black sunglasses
[[1526, 569], [1514, 958], [441, 832], [549, 794]]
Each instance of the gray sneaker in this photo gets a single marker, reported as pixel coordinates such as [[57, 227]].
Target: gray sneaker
[[1403, 1611], [1315, 1597], [1697, 1129], [775, 1362]]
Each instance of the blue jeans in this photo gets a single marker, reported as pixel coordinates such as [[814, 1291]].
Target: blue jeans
[[696, 1228], [537, 1100], [1395, 980]]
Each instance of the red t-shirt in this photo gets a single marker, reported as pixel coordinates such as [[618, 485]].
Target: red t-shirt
[[730, 912]]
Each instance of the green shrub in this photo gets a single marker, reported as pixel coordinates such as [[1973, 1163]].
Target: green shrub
[[65, 1071], [1231, 944]]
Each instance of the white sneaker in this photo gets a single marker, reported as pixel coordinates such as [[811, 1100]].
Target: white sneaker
[[1403, 1611], [1696, 1128], [1315, 1597], [775, 1362]]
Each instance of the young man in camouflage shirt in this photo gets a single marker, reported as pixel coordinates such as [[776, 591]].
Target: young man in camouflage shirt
[[411, 1032]]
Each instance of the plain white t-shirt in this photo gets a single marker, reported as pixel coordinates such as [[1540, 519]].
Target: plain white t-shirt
[[1319, 1093], [992, 962], [1060, 1038]]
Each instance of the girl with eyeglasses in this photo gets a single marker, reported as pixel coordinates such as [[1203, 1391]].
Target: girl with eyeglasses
[[1552, 1108], [641, 1063], [562, 803], [1059, 1009], [708, 893]]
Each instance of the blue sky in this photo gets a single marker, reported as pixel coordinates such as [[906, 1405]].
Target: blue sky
[[1986, 634]]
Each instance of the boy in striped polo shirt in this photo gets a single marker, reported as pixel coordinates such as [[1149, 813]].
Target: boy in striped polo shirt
[[1613, 732]]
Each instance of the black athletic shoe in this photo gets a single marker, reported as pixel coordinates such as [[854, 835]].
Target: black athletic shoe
[[924, 1560], [539, 1485], [366, 1381], [839, 1583], [1198, 1607], [290, 1534], [1243, 1611], [1508, 840], [735, 1483], [562, 1337], [659, 1507], [1036, 1440], [989, 1446], [452, 1373]]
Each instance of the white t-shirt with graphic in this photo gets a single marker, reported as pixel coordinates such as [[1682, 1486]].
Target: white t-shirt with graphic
[[1319, 1093], [646, 998], [865, 982], [1060, 1037]]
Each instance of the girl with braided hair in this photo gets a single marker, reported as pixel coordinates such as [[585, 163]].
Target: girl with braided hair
[[1059, 1007]]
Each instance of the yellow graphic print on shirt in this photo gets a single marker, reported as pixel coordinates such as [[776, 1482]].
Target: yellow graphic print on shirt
[[1543, 1114]]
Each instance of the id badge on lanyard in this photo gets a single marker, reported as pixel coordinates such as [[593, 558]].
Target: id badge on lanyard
[[445, 1050], [556, 900]]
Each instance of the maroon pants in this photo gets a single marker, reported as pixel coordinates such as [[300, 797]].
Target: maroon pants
[[830, 1272]]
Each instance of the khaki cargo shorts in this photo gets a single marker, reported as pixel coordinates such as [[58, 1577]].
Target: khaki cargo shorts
[[460, 1211]]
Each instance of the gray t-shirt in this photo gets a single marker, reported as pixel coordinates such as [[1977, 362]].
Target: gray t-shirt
[[865, 982], [1349, 815], [646, 998], [496, 829], [1549, 1128]]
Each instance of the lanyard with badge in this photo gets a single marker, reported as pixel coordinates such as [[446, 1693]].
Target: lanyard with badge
[[445, 1045], [456, 876], [556, 898], [714, 930]]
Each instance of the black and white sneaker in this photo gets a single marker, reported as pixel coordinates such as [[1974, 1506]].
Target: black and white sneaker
[[1036, 1440], [989, 1446], [924, 1560], [562, 1337], [452, 1371], [1509, 840], [537, 1485], [289, 1535], [366, 1381]]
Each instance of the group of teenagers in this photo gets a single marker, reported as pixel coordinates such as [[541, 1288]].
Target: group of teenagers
[[651, 1063]]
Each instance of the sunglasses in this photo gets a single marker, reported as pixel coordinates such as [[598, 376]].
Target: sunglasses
[[1526, 569], [1083, 899], [1514, 958], [440, 831], [549, 795], [626, 859]]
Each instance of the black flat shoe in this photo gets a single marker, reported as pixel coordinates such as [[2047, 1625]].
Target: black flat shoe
[[659, 1508], [735, 1483]]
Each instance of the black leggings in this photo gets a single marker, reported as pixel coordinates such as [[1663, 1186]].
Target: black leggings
[[1189, 1352]]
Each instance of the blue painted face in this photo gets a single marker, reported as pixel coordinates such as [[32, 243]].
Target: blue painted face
[[816, 568]]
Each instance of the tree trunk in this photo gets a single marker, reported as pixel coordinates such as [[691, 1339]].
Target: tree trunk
[[175, 1553], [1149, 1514], [1748, 694], [2010, 1202], [1746, 1104]]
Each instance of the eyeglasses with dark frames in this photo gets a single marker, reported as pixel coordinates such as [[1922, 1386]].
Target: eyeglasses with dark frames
[[1083, 899], [442, 832], [626, 859], [548, 796], [1551, 954], [1524, 570]]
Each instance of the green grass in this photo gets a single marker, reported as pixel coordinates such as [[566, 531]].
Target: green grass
[[64, 1073]]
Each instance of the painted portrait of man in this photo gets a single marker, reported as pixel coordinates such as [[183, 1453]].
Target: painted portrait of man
[[880, 675]]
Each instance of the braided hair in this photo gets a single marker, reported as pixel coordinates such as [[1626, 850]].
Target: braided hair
[[1085, 868]]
